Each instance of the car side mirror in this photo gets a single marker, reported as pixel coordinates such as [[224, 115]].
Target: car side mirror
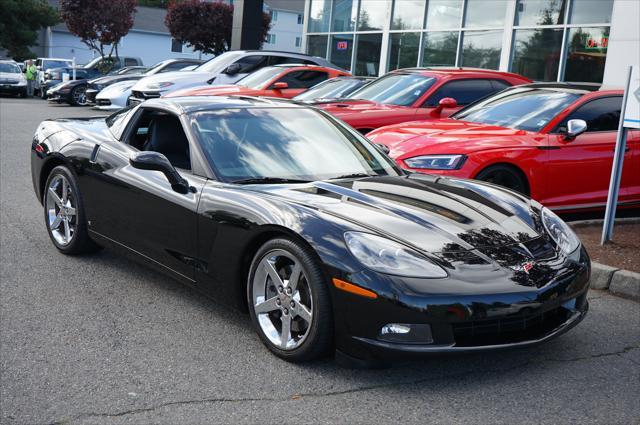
[[445, 102], [39, 68], [280, 85], [155, 161], [575, 128], [233, 69]]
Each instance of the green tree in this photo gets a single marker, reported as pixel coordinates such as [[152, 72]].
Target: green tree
[[19, 22]]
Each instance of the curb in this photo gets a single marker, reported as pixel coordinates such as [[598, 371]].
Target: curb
[[623, 283], [600, 222]]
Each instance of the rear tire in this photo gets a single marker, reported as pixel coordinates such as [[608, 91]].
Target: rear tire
[[64, 213], [286, 285], [505, 176]]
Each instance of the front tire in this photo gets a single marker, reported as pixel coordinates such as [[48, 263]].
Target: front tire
[[505, 176], [64, 213], [77, 96], [289, 301]]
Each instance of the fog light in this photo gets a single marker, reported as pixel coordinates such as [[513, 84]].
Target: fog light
[[406, 333]]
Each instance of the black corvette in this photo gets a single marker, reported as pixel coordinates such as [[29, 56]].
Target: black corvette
[[291, 214]]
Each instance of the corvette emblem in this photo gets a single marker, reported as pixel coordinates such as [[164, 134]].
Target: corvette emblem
[[527, 266]]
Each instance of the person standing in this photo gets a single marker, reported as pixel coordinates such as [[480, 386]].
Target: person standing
[[31, 72]]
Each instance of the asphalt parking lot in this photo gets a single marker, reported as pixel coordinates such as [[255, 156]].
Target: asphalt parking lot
[[101, 340]]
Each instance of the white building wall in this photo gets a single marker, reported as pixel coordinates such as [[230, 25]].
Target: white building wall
[[286, 29], [624, 42], [150, 47]]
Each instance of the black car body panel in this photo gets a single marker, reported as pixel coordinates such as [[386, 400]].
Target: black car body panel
[[478, 233]]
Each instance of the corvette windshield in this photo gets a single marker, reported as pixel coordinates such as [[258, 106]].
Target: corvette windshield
[[331, 89], [395, 89], [257, 79], [522, 108], [265, 143]]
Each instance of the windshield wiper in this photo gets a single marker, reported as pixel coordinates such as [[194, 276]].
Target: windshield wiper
[[353, 176], [268, 180]]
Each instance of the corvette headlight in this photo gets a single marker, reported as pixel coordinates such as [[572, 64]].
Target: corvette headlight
[[560, 232], [389, 257], [436, 162]]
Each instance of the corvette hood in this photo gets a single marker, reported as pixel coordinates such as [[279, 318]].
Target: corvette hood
[[178, 78], [230, 89], [448, 217], [410, 138]]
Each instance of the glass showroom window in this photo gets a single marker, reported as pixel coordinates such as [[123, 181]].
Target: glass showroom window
[[343, 15], [319, 15], [439, 48], [536, 53], [372, 16], [540, 12], [407, 15], [586, 54], [317, 45], [591, 12], [341, 48], [403, 50], [485, 13], [443, 14], [481, 49], [368, 54]]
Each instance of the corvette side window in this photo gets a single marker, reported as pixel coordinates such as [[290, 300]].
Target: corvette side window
[[163, 133], [303, 79], [600, 115]]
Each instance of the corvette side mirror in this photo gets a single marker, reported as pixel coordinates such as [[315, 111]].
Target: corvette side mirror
[[575, 128], [445, 102], [155, 161], [280, 85], [233, 69]]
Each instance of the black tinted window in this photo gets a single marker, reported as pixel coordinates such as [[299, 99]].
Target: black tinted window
[[276, 60], [499, 85], [463, 91], [600, 114], [303, 79], [130, 62], [251, 63], [176, 66]]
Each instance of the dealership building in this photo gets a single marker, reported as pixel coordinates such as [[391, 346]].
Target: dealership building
[[546, 40]]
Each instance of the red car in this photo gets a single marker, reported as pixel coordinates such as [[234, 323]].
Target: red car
[[418, 94], [284, 81], [553, 142]]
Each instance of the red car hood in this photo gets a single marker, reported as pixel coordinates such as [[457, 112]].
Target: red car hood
[[448, 136], [230, 89], [356, 106]]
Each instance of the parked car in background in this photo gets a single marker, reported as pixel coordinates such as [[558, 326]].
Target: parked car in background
[[45, 64], [554, 142], [418, 94], [226, 68], [100, 83], [285, 81], [96, 68], [333, 89], [116, 95], [12, 81]]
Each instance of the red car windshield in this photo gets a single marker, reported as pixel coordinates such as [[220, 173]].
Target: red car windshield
[[522, 108], [259, 78], [395, 89]]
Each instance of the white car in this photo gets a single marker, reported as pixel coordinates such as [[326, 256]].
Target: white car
[[114, 96], [226, 68], [11, 79]]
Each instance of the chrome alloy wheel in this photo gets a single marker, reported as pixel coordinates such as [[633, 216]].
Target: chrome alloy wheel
[[282, 300], [61, 210]]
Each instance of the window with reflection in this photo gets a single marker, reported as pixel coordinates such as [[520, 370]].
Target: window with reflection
[[341, 48], [319, 13], [403, 50], [368, 54], [407, 14], [395, 89], [443, 14], [343, 15], [439, 48], [317, 45], [485, 13], [372, 15], [591, 11], [481, 49], [536, 53], [586, 54], [540, 12]]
